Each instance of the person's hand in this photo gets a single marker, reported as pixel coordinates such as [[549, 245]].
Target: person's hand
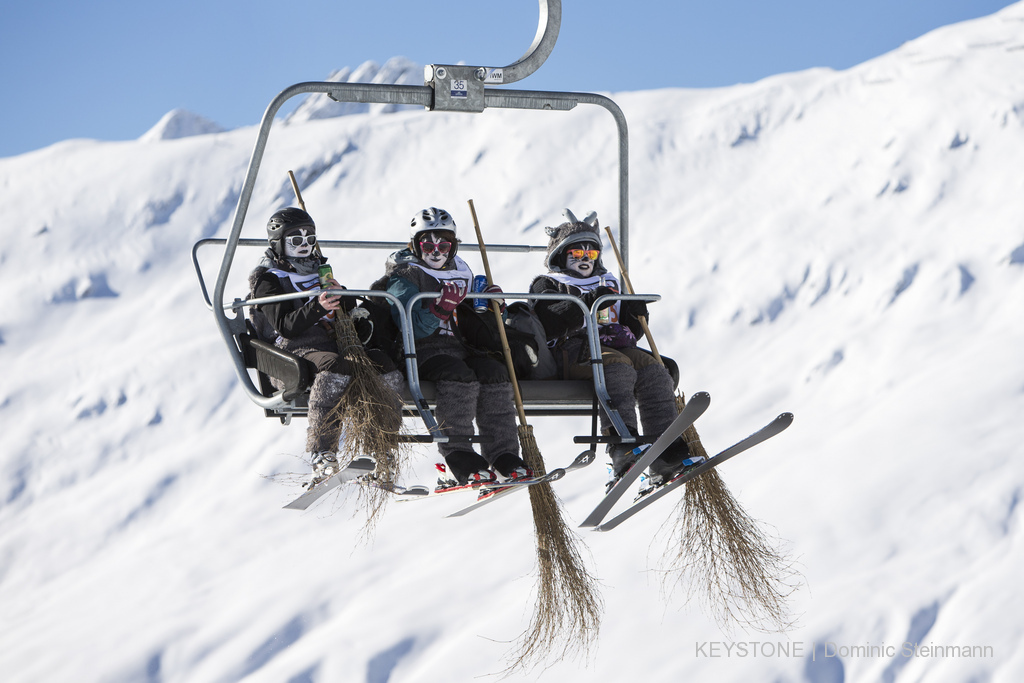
[[495, 289], [329, 301], [448, 300], [596, 294], [637, 309]]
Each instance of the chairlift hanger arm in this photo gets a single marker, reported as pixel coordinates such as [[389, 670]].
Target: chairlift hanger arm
[[459, 87], [543, 43]]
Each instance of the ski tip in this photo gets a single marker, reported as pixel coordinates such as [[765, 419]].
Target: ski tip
[[553, 475], [362, 463], [417, 491], [785, 419]]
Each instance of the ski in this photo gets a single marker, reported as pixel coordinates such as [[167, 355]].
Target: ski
[[357, 468], [493, 494], [414, 492], [694, 408], [483, 488], [776, 426]]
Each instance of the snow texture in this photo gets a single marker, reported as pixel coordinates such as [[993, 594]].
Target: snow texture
[[141, 530]]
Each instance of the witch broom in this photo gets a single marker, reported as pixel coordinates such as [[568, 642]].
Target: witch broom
[[568, 607]]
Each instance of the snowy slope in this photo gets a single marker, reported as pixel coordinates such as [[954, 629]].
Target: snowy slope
[[845, 245]]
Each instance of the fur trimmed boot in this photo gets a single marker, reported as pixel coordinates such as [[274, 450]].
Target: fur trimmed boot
[[396, 382], [620, 380], [456, 407], [655, 397], [324, 434], [496, 417]]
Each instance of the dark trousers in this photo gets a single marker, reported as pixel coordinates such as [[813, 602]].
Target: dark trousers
[[328, 361], [472, 369]]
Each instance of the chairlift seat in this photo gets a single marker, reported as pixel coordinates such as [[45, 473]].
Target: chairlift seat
[[540, 397]]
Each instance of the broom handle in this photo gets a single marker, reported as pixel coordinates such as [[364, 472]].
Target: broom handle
[[629, 290], [501, 323], [298, 195], [302, 205]]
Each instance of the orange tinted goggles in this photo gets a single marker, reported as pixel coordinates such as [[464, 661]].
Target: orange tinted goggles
[[591, 254]]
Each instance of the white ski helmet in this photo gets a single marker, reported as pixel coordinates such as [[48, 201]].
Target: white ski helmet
[[430, 219]]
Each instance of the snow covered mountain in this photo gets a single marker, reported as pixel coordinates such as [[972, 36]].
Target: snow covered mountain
[[180, 123], [396, 71], [845, 245]]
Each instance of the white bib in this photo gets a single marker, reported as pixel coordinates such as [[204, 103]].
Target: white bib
[[461, 275], [589, 284], [302, 283]]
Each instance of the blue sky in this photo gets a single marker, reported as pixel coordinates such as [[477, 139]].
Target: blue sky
[[109, 69]]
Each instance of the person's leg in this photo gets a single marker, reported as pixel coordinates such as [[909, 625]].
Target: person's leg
[[457, 395], [496, 417], [620, 380], [324, 430], [656, 400]]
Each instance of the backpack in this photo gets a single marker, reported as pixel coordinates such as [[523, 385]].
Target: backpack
[[479, 332], [521, 316]]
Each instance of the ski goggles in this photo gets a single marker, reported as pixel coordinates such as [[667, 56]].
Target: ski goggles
[[299, 240], [591, 254], [429, 247]]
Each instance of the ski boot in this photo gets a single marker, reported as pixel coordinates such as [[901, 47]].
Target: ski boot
[[464, 468], [325, 465], [623, 457], [510, 467], [676, 460]]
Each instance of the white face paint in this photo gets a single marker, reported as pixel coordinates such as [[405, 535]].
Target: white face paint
[[305, 247], [582, 265], [435, 249]]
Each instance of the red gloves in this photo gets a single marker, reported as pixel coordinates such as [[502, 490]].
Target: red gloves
[[449, 299], [495, 289]]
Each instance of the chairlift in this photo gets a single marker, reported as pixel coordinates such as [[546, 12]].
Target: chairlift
[[449, 88]]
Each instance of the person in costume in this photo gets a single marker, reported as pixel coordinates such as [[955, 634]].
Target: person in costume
[[302, 326], [471, 384], [634, 377]]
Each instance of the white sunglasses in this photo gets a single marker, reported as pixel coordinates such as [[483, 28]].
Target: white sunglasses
[[299, 240]]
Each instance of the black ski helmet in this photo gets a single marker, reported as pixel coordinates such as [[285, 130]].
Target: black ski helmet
[[283, 221]]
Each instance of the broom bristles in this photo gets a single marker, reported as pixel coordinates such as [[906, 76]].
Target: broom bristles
[[369, 417], [567, 613], [720, 553]]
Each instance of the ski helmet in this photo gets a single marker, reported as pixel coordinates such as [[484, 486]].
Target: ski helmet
[[572, 232], [432, 219], [283, 221]]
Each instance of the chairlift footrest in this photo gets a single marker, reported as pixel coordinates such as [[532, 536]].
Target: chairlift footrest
[[453, 438], [639, 441]]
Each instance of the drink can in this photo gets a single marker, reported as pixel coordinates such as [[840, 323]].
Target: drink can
[[326, 274], [479, 285], [603, 316]]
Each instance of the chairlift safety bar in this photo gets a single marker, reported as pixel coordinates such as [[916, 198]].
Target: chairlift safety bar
[[409, 342]]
